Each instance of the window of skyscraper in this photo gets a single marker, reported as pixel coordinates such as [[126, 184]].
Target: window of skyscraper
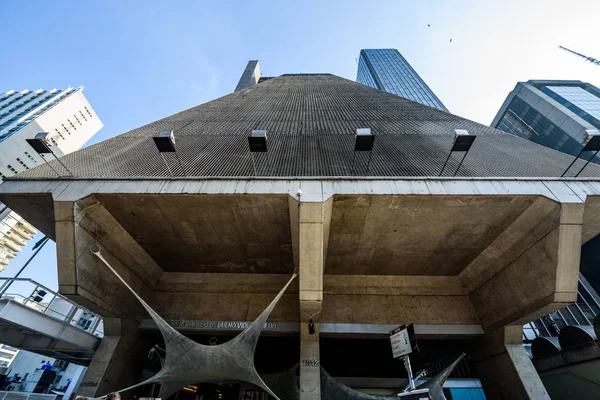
[[579, 97], [386, 69]]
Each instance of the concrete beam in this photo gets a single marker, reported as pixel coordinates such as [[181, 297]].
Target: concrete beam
[[504, 367], [65, 190], [537, 221], [82, 277], [98, 222], [35, 208], [348, 299], [335, 330], [550, 265], [183, 282], [66, 257]]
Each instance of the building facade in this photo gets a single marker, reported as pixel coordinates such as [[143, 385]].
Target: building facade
[[363, 193], [388, 70], [35, 373], [555, 114], [69, 119], [7, 355]]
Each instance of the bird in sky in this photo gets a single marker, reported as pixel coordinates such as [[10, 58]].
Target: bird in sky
[[450, 40], [429, 25]]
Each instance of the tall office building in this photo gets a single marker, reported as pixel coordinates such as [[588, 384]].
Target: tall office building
[[387, 70], [70, 121], [555, 114], [382, 205]]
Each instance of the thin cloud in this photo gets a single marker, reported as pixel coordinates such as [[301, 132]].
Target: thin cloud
[[214, 81]]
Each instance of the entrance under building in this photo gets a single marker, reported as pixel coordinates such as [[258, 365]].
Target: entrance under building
[[364, 364]]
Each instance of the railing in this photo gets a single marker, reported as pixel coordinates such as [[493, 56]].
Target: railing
[[580, 313], [53, 304], [25, 396]]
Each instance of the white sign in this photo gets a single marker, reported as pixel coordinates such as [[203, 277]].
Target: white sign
[[400, 341]]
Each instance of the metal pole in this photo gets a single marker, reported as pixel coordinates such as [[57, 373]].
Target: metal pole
[[411, 380], [369, 162], [7, 284], [180, 164], [446, 162], [588, 161], [253, 165], [60, 162], [51, 167], [165, 161], [570, 165], [461, 161]]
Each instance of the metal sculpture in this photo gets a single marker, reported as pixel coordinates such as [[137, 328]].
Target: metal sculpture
[[284, 384], [436, 384], [187, 362]]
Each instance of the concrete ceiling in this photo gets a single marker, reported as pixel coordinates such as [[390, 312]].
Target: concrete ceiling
[[198, 233], [415, 235], [369, 235]]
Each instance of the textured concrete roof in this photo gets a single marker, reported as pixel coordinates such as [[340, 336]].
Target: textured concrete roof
[[311, 121]]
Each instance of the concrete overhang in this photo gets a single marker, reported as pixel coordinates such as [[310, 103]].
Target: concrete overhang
[[443, 250], [35, 197]]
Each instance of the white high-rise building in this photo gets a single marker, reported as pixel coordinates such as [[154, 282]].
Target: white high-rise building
[[70, 121]]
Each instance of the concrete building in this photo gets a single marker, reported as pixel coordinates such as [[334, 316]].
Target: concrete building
[[14, 233], [555, 114], [7, 355], [70, 120], [468, 246], [387, 70], [251, 76]]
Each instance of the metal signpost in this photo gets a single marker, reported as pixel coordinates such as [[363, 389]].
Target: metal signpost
[[404, 342]]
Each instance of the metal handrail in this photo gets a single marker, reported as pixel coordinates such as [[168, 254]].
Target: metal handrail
[[46, 309]]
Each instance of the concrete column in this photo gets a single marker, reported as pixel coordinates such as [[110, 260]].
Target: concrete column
[[504, 367], [118, 361], [312, 221], [310, 371], [64, 215]]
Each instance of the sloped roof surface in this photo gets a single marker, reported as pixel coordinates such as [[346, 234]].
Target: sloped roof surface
[[311, 121]]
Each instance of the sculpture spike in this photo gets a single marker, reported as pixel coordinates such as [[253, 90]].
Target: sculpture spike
[[187, 362]]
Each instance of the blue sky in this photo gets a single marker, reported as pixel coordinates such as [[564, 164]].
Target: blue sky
[[143, 60]]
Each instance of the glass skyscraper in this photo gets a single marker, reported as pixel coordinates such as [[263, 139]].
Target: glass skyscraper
[[387, 70], [555, 114]]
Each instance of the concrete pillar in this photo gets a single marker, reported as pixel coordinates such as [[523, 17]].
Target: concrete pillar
[[312, 221], [118, 361], [504, 367], [310, 371]]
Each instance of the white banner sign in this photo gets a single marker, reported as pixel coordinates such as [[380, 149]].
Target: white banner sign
[[400, 341]]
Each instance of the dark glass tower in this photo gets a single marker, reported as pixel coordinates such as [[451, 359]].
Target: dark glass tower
[[555, 114], [387, 70]]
